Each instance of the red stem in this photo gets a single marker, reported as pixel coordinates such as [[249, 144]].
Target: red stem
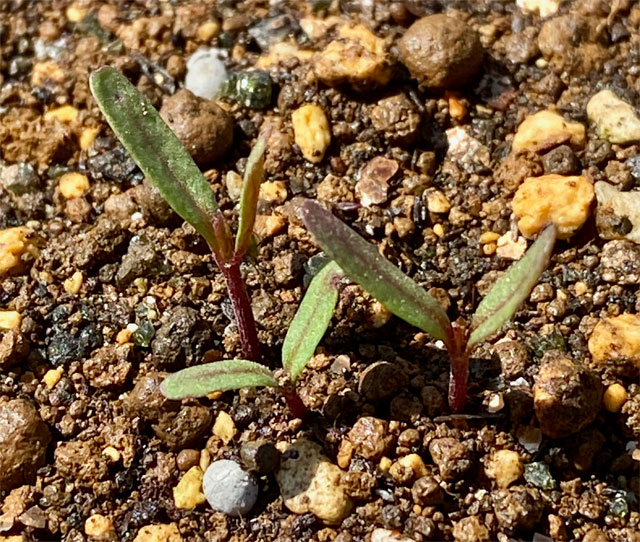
[[459, 374], [295, 404], [242, 309]]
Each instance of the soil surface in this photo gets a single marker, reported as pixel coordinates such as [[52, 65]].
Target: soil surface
[[103, 290]]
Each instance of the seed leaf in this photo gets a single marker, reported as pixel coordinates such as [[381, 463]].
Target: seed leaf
[[362, 262], [311, 321], [253, 175], [156, 150], [510, 290], [217, 376]]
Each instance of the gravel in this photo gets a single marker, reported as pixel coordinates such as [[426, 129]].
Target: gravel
[[229, 489]]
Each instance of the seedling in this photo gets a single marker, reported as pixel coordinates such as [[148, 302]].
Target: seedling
[[362, 262], [170, 168]]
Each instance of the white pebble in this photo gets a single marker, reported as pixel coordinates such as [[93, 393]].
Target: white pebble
[[205, 73], [228, 488]]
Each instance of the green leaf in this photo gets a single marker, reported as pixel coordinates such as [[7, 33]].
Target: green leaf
[[512, 288], [253, 175], [362, 262], [217, 376], [156, 150], [311, 320]]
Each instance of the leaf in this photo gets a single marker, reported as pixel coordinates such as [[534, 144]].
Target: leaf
[[311, 320], [217, 376], [156, 150], [253, 175], [510, 290], [362, 262]]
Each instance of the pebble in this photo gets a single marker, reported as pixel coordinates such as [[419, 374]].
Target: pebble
[[397, 118], [24, 438], [311, 131], [266, 226], [19, 179], [408, 468], [539, 475], [370, 437], [385, 535], [616, 121], [617, 213], [204, 128], [260, 456], [466, 151], [205, 73], [615, 342], [544, 8], [471, 529], [253, 88], [451, 457], [546, 129], [73, 185], [561, 160], [64, 113], [10, 320], [563, 201], [357, 58], [229, 489], [188, 493], [73, 284], [437, 202], [309, 482], [381, 381], [14, 244], [14, 348], [426, 491], [441, 51], [373, 186], [566, 397], [224, 428], [614, 397], [505, 467], [160, 532], [52, 377], [620, 262], [511, 246], [518, 508], [99, 527]]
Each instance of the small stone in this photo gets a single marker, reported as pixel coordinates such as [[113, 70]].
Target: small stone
[[544, 8], [505, 467], [14, 348], [253, 88], [370, 437], [65, 113], [561, 160], [563, 201], [373, 186], [19, 179], [615, 396], [112, 454], [385, 535], [381, 381], [52, 377], [567, 397], [266, 226], [10, 320], [187, 458], [397, 118], [204, 128], [357, 58], [109, 366], [205, 73], [75, 13], [260, 456], [274, 192], [538, 474], [99, 527], [620, 262], [87, 137], [159, 533], [546, 129], [24, 438], [73, 185], [311, 131], [514, 358], [229, 489], [518, 508], [595, 535], [208, 30], [309, 482], [437, 202], [617, 213], [233, 181], [510, 246], [188, 493], [615, 342], [73, 284], [451, 457], [408, 468], [467, 151], [471, 529], [441, 51], [427, 492], [224, 428], [616, 121], [345, 454]]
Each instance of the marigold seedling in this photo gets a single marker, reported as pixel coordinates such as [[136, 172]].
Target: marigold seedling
[[362, 262]]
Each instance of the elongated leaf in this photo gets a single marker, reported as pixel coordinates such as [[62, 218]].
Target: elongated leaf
[[253, 175], [311, 321], [217, 376], [155, 149], [362, 262], [510, 290]]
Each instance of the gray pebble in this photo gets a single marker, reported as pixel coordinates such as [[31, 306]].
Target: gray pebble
[[228, 488]]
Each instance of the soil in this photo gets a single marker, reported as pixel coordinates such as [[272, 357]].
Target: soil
[[117, 291]]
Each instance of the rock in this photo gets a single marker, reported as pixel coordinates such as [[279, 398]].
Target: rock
[[19, 179], [544, 8], [561, 160], [373, 186], [153, 206], [73, 185], [451, 457], [546, 129], [205, 129], [14, 348], [309, 482], [615, 342], [511, 246], [100, 245], [385, 535], [159, 533], [563, 201], [595, 535], [505, 467], [514, 358], [358, 58], [253, 88], [260, 456], [82, 461], [10, 320], [180, 430], [467, 151], [437, 202], [426, 491], [566, 397], [471, 529], [188, 493], [615, 396], [616, 121], [229, 489], [539, 475], [397, 118], [311, 131], [617, 213], [441, 51], [109, 366], [287, 268], [408, 468], [17, 245], [620, 262], [99, 527], [518, 508], [381, 381], [205, 73], [147, 400], [370, 437], [24, 438], [141, 260]]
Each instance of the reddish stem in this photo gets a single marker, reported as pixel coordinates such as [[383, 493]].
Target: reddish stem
[[295, 404], [459, 374], [242, 309]]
